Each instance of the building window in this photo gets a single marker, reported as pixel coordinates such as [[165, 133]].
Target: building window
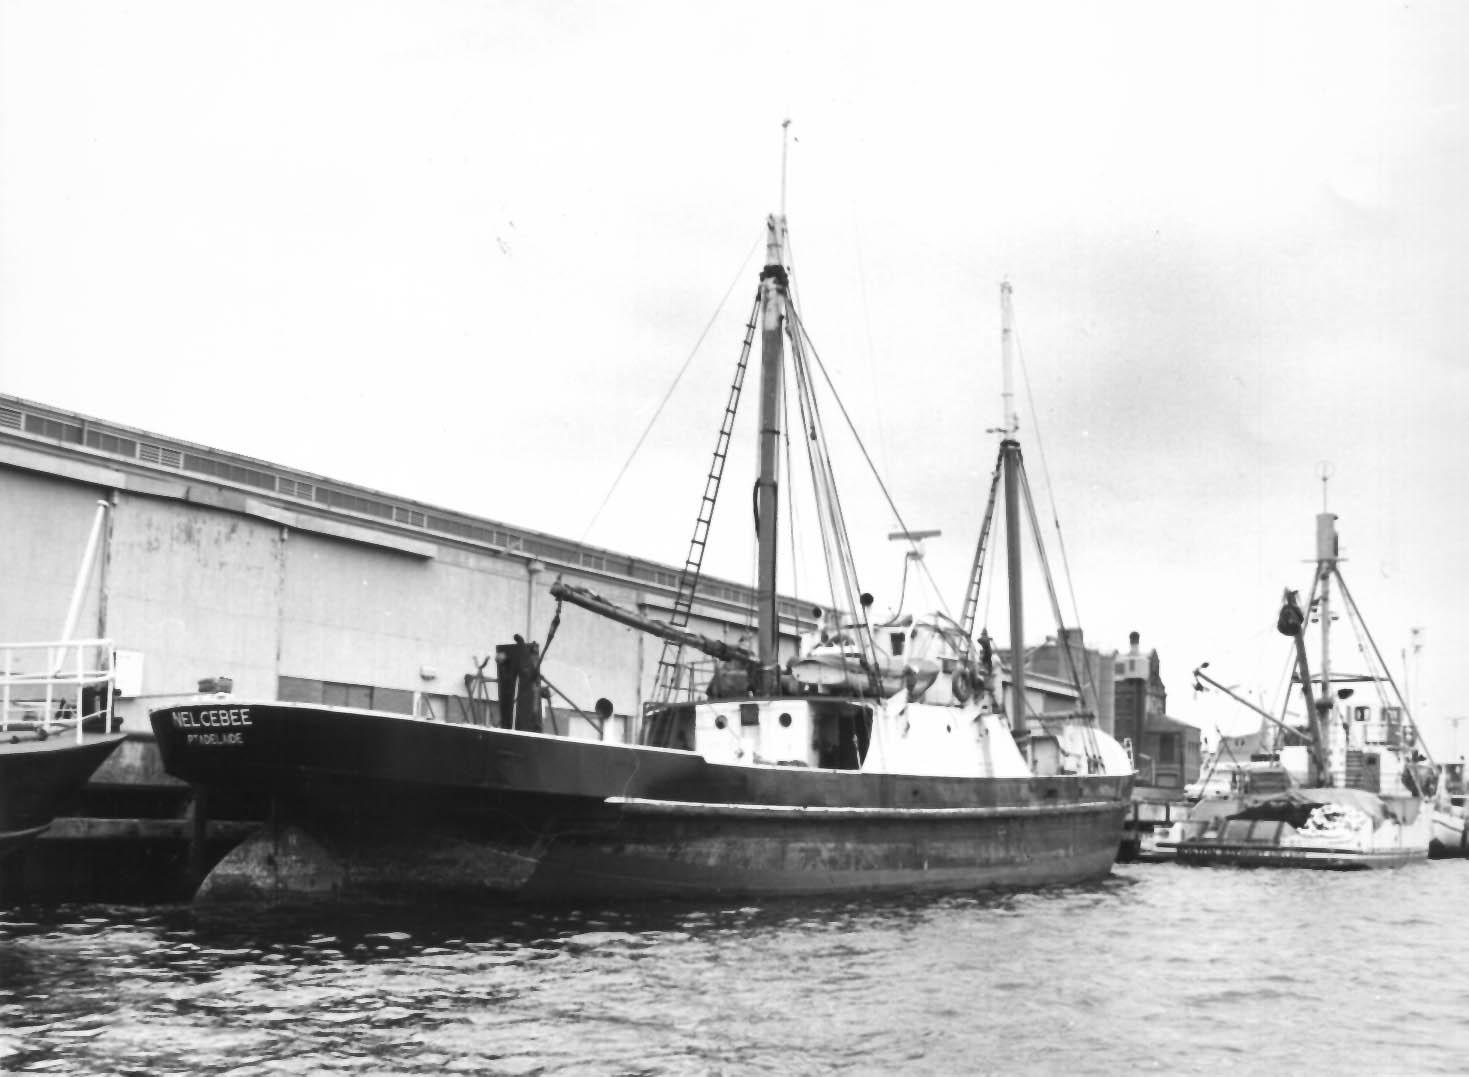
[[1168, 749], [50, 428], [111, 443], [339, 694], [377, 698]]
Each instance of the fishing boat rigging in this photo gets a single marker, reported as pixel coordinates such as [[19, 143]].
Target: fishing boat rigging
[[878, 758], [857, 657], [1352, 788]]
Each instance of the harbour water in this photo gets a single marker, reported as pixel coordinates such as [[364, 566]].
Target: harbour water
[[1159, 968]]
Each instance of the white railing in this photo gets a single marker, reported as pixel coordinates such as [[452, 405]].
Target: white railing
[[55, 686]]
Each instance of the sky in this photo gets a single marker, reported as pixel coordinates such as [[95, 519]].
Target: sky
[[497, 256]]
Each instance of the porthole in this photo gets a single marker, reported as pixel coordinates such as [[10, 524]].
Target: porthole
[[785, 721], [719, 722]]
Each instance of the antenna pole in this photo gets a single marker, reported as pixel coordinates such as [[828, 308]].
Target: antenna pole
[[1326, 558], [1011, 422], [785, 145]]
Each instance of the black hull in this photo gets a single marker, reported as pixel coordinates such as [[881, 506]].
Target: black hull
[[38, 778], [377, 806]]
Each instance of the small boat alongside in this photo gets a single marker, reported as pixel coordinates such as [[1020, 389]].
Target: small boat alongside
[[56, 720], [1450, 834], [882, 759], [56, 728], [1151, 817], [1353, 789], [1450, 815]]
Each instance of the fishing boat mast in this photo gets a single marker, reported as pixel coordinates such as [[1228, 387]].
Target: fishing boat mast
[[1326, 558], [1010, 454], [773, 287]]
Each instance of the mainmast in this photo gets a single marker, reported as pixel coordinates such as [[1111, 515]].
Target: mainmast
[[773, 285], [1010, 455], [1326, 557]]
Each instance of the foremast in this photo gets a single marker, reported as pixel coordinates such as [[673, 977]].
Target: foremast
[[774, 289]]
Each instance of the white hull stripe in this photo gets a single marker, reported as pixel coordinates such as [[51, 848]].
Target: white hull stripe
[[643, 806]]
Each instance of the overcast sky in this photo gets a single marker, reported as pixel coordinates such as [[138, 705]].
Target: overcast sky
[[460, 251]]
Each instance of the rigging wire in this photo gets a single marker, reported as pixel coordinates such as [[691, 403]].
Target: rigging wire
[[798, 367], [835, 538], [828, 541], [1062, 643], [1046, 474], [989, 595], [1282, 691], [830, 519], [1378, 680], [835, 535], [882, 441], [1386, 670], [790, 490], [1294, 671], [892, 506], [668, 395]]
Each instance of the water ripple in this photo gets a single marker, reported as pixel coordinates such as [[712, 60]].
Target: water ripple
[[1157, 969]]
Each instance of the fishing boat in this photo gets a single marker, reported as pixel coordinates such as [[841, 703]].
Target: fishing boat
[[1450, 831], [883, 757], [1352, 788], [1450, 814], [56, 720]]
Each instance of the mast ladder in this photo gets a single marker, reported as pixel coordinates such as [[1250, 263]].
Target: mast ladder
[[976, 575], [666, 683]]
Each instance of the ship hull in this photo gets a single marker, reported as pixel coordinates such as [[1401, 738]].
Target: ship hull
[[1274, 832], [39, 777], [1450, 834], [373, 806], [1214, 854]]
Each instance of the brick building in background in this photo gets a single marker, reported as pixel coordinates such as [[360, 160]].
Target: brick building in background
[[1166, 750]]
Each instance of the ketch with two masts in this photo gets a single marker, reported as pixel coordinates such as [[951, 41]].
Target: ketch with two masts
[[881, 759]]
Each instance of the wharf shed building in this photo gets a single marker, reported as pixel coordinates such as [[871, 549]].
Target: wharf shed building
[[293, 586], [298, 587], [211, 565]]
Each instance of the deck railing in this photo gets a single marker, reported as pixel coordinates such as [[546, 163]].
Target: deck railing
[[56, 686]]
